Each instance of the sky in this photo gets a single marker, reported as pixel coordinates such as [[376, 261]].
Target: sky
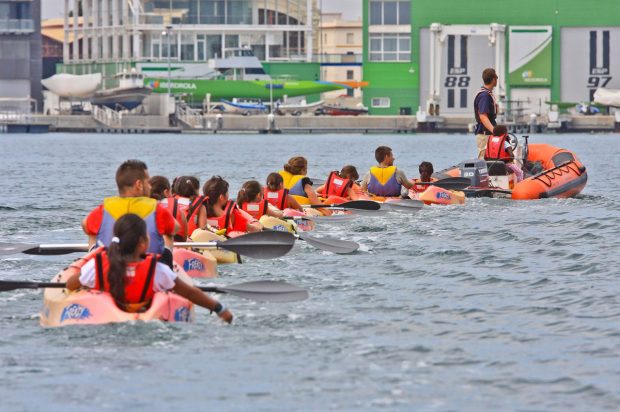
[[351, 9]]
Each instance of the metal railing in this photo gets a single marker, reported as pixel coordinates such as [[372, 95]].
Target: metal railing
[[189, 116], [107, 116], [16, 25], [338, 58]]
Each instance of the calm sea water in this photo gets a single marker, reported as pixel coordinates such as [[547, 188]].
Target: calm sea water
[[495, 305]]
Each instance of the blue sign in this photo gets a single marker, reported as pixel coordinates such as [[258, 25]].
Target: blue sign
[[182, 314], [75, 311], [193, 264]]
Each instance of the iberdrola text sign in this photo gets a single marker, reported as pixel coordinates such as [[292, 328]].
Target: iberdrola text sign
[[529, 59]]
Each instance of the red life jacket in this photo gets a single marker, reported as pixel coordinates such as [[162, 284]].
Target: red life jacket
[[256, 209], [192, 213], [495, 148], [176, 211], [336, 185], [225, 221], [138, 286], [278, 198]]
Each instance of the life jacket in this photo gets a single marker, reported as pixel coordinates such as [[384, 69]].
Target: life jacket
[[495, 148], [492, 115], [383, 181], [176, 209], [192, 213], [225, 221], [295, 186], [138, 281], [256, 209], [336, 185], [145, 207], [418, 187], [278, 198]]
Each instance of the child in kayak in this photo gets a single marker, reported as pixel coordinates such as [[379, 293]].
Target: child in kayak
[[295, 180], [223, 213], [133, 280], [343, 184], [191, 203], [161, 191], [385, 179], [426, 171], [277, 195], [250, 199]]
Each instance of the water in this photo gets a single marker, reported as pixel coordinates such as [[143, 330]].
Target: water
[[495, 305]]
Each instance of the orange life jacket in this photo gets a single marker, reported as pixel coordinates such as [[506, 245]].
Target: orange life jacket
[[138, 285], [176, 210], [225, 221], [255, 209], [336, 185], [192, 213], [495, 148], [278, 198]]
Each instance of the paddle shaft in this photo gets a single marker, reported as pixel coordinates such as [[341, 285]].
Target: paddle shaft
[[58, 285]]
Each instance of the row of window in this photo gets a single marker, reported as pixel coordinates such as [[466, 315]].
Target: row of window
[[390, 47], [388, 12]]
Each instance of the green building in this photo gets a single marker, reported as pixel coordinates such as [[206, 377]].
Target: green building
[[430, 55]]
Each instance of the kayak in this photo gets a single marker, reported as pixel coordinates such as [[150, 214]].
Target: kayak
[[62, 307], [221, 256], [434, 195], [195, 264]]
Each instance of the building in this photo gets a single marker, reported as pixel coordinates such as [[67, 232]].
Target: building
[[339, 50], [426, 55], [52, 40], [20, 51], [117, 34]]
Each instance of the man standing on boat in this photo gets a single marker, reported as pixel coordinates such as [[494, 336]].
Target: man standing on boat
[[485, 110]]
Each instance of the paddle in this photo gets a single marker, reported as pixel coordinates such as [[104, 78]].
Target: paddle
[[450, 183], [338, 246], [353, 204], [258, 245], [262, 290], [405, 205]]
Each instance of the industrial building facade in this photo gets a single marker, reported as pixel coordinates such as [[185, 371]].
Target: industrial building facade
[[425, 55], [20, 51]]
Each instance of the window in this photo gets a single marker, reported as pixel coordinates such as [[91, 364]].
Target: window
[[380, 102], [390, 47], [390, 12], [350, 75], [350, 38]]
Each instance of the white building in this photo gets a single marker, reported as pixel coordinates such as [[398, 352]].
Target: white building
[[198, 30]]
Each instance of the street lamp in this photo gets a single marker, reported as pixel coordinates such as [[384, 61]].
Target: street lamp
[[168, 34]]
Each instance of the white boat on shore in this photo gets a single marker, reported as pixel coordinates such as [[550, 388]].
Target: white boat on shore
[[73, 85], [607, 97], [297, 109]]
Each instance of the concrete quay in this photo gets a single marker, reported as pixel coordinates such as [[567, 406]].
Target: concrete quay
[[213, 123]]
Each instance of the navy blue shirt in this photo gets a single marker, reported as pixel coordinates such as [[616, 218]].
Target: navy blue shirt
[[484, 103]]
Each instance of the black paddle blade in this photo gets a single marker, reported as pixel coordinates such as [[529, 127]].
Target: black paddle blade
[[338, 246], [6, 285], [260, 245], [353, 204], [453, 183], [262, 290], [43, 250]]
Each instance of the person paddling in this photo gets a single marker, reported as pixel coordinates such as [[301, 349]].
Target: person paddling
[[191, 203], [295, 180], [385, 179], [132, 276], [223, 213], [277, 195], [162, 192], [343, 184], [132, 180], [250, 199]]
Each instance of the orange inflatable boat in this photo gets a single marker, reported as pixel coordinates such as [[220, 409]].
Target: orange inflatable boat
[[563, 176]]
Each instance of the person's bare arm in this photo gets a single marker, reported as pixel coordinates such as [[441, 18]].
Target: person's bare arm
[[200, 298], [294, 204], [312, 196], [484, 119]]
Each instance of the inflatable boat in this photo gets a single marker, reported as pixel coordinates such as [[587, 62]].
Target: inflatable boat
[[550, 172]]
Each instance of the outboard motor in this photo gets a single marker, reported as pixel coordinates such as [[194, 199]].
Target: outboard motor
[[476, 171]]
